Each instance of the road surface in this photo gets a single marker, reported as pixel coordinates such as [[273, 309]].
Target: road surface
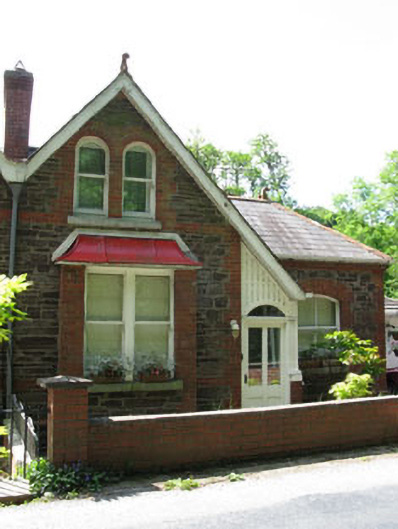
[[357, 493]]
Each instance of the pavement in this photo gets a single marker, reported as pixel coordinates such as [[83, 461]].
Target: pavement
[[352, 490]]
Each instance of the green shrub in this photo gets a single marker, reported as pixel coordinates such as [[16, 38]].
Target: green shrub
[[353, 387], [3, 450], [235, 477], [65, 481], [352, 351], [182, 484]]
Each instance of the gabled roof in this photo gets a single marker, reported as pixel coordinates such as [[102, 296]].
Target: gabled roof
[[21, 171], [290, 235]]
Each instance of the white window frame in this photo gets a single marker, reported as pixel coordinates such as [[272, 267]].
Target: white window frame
[[150, 182], [321, 328], [128, 321], [88, 141]]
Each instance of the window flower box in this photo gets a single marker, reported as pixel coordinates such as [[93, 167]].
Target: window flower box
[[153, 373], [108, 370]]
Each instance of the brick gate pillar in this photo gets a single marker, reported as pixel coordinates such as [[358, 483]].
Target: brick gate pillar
[[67, 418]]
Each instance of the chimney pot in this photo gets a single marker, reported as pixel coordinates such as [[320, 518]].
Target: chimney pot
[[18, 90]]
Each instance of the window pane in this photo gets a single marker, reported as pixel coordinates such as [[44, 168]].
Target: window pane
[[306, 312], [104, 339], [104, 297], [151, 344], [152, 298], [255, 374], [266, 310], [274, 356], [326, 312], [138, 164], [135, 196], [305, 339], [91, 160], [91, 193]]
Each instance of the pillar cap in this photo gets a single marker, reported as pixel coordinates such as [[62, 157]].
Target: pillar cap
[[64, 381]]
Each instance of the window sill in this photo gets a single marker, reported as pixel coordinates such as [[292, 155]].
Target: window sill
[[117, 387], [98, 221]]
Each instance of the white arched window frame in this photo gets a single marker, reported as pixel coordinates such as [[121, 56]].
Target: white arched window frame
[[139, 185], [317, 316], [95, 180]]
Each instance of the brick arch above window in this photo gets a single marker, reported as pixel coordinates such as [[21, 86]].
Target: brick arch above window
[[335, 290]]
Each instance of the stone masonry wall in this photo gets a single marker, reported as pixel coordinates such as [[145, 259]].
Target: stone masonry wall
[[182, 208], [359, 291]]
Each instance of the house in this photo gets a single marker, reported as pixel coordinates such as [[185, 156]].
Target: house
[[148, 279]]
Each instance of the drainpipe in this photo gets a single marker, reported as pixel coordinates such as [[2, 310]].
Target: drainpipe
[[16, 191]]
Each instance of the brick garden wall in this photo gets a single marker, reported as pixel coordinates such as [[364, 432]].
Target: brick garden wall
[[183, 441], [182, 208], [359, 291]]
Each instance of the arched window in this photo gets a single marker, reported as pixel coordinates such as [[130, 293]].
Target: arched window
[[91, 176], [139, 174], [266, 310], [317, 316]]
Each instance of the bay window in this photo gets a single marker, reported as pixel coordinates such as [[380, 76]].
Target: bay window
[[129, 319]]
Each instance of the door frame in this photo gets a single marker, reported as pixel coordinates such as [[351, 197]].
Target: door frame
[[267, 391]]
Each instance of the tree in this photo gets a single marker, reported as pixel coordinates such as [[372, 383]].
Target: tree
[[9, 312], [273, 169], [246, 173], [207, 155], [369, 214]]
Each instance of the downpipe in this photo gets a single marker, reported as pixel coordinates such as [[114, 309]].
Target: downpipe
[[16, 192]]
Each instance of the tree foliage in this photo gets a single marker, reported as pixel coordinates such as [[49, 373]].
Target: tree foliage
[[9, 288], [246, 173], [369, 214]]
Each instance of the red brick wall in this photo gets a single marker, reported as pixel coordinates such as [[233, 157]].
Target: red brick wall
[[67, 433], [71, 320], [18, 89], [174, 441]]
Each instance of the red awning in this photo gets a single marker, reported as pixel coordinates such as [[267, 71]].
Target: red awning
[[102, 249]]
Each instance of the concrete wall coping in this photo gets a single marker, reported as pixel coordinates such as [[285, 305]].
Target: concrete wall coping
[[63, 381]]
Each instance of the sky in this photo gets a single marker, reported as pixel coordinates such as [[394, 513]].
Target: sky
[[319, 76]]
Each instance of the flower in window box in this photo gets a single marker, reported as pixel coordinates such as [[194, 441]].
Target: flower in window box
[[109, 370], [153, 372]]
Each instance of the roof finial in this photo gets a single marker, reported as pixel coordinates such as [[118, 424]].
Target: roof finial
[[264, 193], [123, 66], [19, 66]]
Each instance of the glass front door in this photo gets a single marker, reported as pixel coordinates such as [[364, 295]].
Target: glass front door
[[262, 367]]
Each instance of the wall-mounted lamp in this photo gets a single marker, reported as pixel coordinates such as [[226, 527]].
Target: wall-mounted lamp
[[235, 328]]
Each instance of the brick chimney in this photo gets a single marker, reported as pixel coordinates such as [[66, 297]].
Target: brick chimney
[[18, 90]]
